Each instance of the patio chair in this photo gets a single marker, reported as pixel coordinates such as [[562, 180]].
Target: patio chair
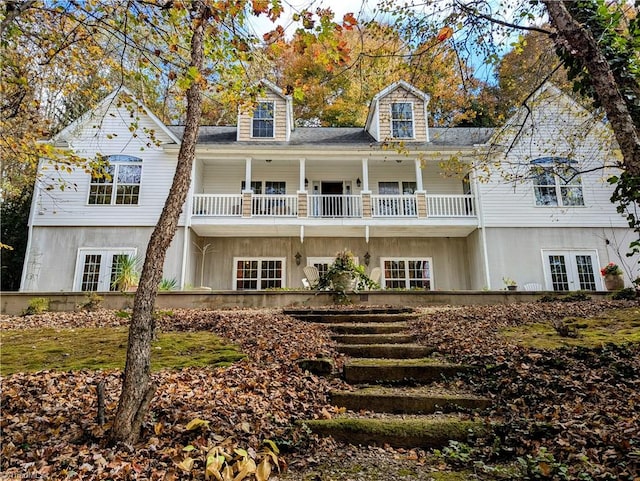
[[532, 286], [375, 275], [312, 275]]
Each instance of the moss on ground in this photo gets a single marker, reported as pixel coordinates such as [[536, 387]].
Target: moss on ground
[[400, 432], [616, 326], [395, 362], [105, 348]]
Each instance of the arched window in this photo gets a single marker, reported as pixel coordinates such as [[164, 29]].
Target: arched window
[[118, 182], [556, 182]]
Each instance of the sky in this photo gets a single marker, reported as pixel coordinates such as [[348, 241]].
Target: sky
[[366, 10]]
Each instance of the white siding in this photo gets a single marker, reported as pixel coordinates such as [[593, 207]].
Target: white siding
[[556, 127], [108, 134]]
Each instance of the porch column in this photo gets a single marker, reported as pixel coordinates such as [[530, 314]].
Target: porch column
[[246, 192], [419, 186], [303, 175], [247, 174], [421, 196], [365, 175], [366, 192]]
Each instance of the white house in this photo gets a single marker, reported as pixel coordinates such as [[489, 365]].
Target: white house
[[268, 198]]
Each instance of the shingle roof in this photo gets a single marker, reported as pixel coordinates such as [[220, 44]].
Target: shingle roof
[[444, 136]]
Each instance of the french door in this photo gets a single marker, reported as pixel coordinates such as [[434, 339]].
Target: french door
[[572, 270]]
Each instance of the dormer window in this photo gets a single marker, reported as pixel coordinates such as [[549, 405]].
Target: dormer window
[[262, 126], [402, 120]]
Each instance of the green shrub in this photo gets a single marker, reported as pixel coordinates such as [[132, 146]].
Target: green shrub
[[168, 285], [628, 293], [92, 302], [37, 305]]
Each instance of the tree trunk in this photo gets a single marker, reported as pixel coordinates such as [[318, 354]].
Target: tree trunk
[[578, 40], [137, 388]]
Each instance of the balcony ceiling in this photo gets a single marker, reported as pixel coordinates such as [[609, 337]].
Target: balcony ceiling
[[278, 227]]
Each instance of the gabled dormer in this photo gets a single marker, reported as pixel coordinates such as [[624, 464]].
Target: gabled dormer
[[399, 114], [271, 119]]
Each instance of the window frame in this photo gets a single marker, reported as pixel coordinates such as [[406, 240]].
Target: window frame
[[263, 119], [409, 121], [114, 164], [547, 168], [105, 271], [573, 280], [259, 278], [407, 275]]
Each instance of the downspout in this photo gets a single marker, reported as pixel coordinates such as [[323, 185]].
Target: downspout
[[187, 226], [483, 238]]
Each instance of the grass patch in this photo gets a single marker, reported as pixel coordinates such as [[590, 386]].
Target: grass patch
[[105, 348], [618, 326]]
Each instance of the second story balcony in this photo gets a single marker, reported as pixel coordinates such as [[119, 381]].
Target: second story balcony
[[310, 206]]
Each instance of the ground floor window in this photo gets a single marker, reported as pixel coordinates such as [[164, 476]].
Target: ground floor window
[[96, 269], [253, 273], [407, 273], [571, 270]]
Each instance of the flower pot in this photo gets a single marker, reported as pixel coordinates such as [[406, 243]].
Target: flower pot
[[614, 282], [343, 282], [512, 288]]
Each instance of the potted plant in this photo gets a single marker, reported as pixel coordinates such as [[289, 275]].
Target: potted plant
[[613, 279], [511, 284], [126, 273], [345, 275]]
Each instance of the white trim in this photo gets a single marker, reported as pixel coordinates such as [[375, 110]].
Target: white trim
[[407, 279], [373, 112], [283, 278], [103, 251], [76, 124], [391, 120], [572, 275], [114, 183], [273, 119]]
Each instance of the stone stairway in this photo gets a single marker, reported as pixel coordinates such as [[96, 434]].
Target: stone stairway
[[391, 377]]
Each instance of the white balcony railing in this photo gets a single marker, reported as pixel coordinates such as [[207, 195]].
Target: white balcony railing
[[274, 205], [218, 205], [393, 206], [450, 206], [335, 206]]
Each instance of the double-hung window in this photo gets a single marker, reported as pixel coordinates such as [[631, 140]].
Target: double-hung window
[[556, 182], [402, 120], [258, 273], [117, 182], [262, 122]]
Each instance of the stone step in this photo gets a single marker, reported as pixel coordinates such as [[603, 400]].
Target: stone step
[[363, 310], [363, 371], [394, 338], [400, 432], [345, 317], [369, 328], [386, 351], [421, 400]]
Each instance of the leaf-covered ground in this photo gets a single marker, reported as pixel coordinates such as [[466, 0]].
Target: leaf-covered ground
[[567, 414]]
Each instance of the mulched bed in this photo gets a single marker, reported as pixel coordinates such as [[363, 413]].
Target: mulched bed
[[580, 405]]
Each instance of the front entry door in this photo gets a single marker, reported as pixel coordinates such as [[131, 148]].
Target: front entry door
[[331, 199], [571, 270]]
